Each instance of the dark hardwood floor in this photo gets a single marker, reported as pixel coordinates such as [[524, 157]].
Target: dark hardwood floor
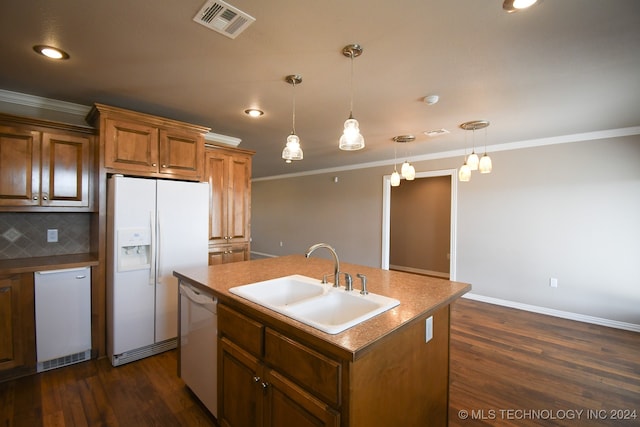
[[512, 367], [508, 367]]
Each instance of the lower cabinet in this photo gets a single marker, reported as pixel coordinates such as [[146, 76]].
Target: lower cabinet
[[254, 392], [223, 254], [17, 326], [267, 378]]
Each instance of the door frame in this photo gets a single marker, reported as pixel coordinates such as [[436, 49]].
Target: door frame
[[386, 217]]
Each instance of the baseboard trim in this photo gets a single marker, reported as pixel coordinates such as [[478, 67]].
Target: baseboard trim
[[262, 255], [420, 271], [556, 313]]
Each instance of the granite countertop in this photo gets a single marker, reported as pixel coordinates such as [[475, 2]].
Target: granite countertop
[[55, 262], [419, 296]]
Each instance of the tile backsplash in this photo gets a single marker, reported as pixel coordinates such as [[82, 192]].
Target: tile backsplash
[[24, 235]]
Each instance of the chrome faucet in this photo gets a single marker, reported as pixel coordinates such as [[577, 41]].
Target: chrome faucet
[[336, 267]]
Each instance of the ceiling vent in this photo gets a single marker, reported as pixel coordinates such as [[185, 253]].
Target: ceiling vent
[[223, 18]]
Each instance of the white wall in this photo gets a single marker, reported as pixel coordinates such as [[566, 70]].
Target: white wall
[[570, 211]]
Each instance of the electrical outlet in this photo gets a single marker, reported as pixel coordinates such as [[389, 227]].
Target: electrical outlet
[[553, 282], [52, 235], [428, 329]]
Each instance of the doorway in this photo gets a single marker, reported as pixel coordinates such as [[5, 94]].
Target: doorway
[[451, 223]]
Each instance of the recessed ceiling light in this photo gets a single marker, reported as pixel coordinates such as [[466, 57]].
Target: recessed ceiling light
[[515, 5], [253, 112], [51, 52]]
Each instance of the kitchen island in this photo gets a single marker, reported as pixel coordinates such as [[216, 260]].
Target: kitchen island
[[388, 370]]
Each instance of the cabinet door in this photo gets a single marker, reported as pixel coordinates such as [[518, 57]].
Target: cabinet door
[[227, 254], [239, 198], [241, 387], [65, 170], [130, 146], [289, 405], [19, 167], [217, 171], [17, 328], [181, 154]]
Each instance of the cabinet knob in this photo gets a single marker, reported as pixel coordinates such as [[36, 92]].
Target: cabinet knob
[[45, 197], [154, 164], [164, 166], [256, 379], [264, 385], [35, 197]]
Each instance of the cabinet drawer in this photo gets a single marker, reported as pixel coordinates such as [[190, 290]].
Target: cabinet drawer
[[311, 370], [243, 331]]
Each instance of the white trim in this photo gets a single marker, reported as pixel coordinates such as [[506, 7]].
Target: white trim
[[386, 217], [223, 139], [262, 254], [556, 313], [420, 271], [529, 143], [43, 103], [82, 110]]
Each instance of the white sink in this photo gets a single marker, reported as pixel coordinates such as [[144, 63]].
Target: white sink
[[331, 310]]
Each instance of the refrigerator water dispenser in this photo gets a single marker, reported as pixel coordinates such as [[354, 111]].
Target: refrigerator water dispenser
[[134, 249]]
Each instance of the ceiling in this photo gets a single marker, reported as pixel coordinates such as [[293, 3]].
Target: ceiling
[[560, 68]]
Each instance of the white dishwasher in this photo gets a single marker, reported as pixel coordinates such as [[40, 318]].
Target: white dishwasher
[[63, 317], [198, 344]]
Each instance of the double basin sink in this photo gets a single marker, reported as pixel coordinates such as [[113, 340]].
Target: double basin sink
[[322, 306]]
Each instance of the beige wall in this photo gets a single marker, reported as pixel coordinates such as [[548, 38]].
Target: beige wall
[[568, 211]]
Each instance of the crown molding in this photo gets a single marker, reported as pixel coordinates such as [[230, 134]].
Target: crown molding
[[81, 111]]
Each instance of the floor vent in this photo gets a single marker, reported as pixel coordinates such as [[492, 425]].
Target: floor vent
[[223, 18], [63, 361], [141, 353]]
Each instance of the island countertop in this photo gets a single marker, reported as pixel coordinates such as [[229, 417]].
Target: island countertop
[[419, 296]]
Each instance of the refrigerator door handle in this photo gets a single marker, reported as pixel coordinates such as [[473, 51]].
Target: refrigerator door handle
[[159, 271], [152, 272]]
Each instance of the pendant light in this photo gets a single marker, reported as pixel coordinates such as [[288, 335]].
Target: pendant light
[[407, 170], [485, 163], [351, 138], [395, 176], [473, 160], [292, 150]]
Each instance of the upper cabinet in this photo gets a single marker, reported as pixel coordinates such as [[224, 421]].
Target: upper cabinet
[[44, 165], [228, 172], [144, 145]]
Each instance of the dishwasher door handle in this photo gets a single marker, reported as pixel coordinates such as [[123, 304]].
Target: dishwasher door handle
[[206, 301]]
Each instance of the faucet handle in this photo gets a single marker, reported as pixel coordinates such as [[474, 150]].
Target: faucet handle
[[348, 286], [363, 278]]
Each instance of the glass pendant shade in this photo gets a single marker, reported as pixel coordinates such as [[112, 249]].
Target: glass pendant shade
[[404, 169], [410, 174], [485, 164], [395, 179], [464, 174], [351, 138], [292, 150], [472, 161]]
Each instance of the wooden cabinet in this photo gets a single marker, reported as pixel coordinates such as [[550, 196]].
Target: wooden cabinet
[[268, 380], [270, 376], [140, 144], [44, 167], [222, 254], [228, 172], [17, 326]]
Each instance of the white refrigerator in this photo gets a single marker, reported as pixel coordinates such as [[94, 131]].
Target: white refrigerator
[[153, 228]]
